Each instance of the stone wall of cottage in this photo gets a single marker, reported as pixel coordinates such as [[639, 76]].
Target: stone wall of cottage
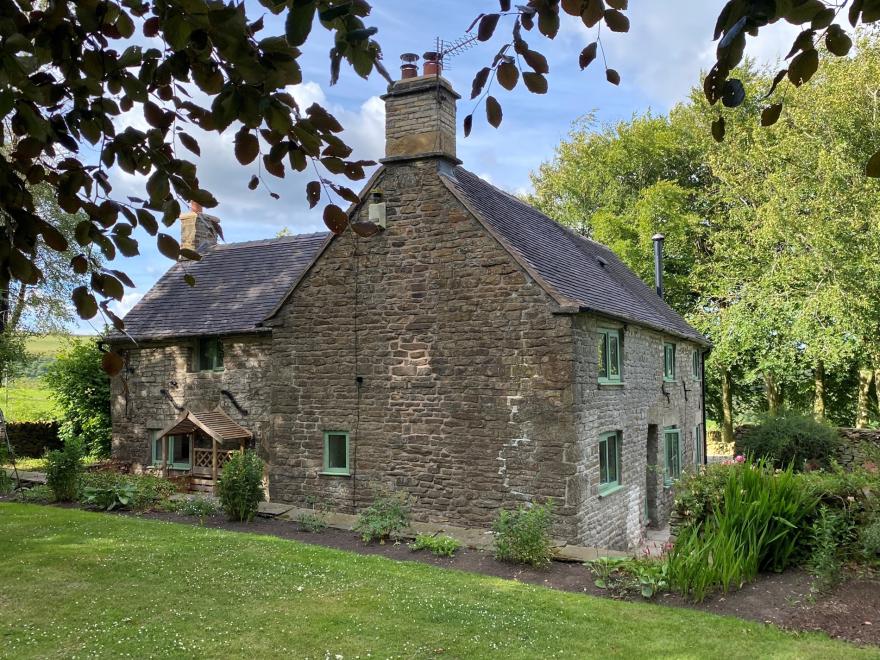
[[139, 408], [640, 410], [467, 384]]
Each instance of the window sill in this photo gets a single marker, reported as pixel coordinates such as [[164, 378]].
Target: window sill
[[669, 380], [324, 473], [611, 384], [609, 490]]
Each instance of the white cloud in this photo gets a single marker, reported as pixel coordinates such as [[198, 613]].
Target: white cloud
[[129, 300]]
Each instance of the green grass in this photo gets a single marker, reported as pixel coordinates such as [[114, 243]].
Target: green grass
[[79, 583], [29, 400]]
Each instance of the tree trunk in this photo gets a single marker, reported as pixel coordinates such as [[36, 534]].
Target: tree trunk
[[866, 376], [819, 391], [774, 396], [727, 407]]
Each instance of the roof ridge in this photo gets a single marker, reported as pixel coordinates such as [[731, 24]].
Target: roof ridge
[[270, 241]]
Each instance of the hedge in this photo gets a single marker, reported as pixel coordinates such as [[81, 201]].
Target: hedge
[[32, 439]]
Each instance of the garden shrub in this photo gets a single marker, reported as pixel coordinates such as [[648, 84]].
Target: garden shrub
[[41, 494], [115, 497], [442, 546], [146, 490], [830, 535], [386, 516], [697, 493], [523, 536], [791, 439], [313, 522], [869, 538], [7, 485], [32, 439], [82, 389], [198, 506], [627, 576], [63, 469], [758, 525], [241, 486]]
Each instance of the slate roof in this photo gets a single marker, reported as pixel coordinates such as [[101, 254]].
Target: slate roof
[[565, 262], [237, 286]]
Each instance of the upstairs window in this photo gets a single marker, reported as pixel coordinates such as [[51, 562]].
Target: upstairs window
[[697, 367], [609, 462], [209, 354], [668, 361], [609, 356], [336, 453], [672, 454]]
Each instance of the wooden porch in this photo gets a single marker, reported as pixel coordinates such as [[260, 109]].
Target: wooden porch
[[205, 463]]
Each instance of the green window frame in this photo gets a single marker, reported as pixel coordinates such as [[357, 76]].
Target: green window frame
[[669, 361], [609, 462], [697, 365], [671, 454], [699, 458], [156, 446], [337, 453], [610, 356], [209, 354], [180, 451]]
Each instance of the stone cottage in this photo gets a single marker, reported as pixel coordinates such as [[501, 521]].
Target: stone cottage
[[473, 354]]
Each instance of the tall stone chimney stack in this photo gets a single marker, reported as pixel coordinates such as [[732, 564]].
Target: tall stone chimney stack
[[420, 118], [198, 229]]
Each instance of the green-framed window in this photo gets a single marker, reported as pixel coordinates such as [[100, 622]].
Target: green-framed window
[[697, 365], [668, 361], [699, 456], [609, 462], [156, 447], [179, 451], [209, 354], [336, 453], [610, 356], [671, 454]]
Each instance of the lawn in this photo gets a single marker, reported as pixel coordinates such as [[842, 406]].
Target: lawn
[[79, 583], [27, 400]]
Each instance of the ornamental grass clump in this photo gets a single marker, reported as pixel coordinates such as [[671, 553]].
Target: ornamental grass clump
[[241, 486], [523, 536], [759, 524]]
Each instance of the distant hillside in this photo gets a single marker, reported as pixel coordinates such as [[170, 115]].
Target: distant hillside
[[27, 399]]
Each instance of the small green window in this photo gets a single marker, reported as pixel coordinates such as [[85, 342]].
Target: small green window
[[610, 356], [668, 361], [699, 455], [156, 445], [697, 365], [209, 354], [672, 454], [179, 451], [336, 452], [609, 462]]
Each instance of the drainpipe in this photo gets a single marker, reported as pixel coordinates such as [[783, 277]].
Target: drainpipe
[[705, 354], [658, 263]]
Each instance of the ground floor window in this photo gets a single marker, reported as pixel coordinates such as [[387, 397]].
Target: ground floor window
[[609, 461], [179, 451], [672, 447], [336, 447], [699, 455]]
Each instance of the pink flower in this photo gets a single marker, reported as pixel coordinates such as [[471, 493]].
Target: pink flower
[[740, 459]]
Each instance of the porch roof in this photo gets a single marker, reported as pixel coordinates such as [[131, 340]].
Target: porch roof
[[215, 424]]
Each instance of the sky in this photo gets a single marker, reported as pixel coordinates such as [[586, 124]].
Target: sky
[[660, 59]]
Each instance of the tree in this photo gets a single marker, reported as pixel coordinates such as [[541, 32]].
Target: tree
[[82, 389], [774, 240], [72, 69]]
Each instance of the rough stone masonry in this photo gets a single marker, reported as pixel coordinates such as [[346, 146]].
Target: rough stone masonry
[[457, 373]]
